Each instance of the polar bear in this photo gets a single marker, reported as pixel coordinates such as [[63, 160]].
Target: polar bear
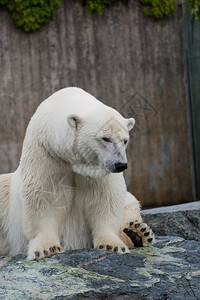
[[74, 152]]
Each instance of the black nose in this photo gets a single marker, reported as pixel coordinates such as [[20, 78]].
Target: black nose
[[119, 167]]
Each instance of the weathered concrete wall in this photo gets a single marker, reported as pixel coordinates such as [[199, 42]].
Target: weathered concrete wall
[[128, 61]]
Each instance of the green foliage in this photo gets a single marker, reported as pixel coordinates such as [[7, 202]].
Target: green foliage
[[4, 2], [159, 8], [167, 8], [195, 8], [31, 15], [154, 8], [96, 5]]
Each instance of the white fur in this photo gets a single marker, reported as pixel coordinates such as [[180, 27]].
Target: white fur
[[65, 157]]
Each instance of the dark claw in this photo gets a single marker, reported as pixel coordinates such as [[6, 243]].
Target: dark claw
[[146, 233], [108, 247], [58, 248], [37, 254], [131, 223], [123, 249], [45, 252], [116, 249], [51, 249], [135, 238], [54, 248], [137, 225], [101, 247], [150, 240], [143, 229]]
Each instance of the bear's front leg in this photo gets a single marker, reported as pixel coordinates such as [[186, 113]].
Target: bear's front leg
[[106, 213], [43, 245], [41, 228], [133, 232]]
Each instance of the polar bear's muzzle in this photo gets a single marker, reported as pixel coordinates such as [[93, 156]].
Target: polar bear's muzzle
[[117, 167], [120, 167]]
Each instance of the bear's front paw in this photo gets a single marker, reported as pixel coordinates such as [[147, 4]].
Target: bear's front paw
[[42, 250], [137, 234], [118, 249], [112, 245]]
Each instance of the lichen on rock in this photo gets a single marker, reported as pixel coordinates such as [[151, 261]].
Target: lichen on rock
[[170, 268]]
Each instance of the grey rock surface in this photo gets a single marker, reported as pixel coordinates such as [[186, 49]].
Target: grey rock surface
[[168, 270], [182, 220]]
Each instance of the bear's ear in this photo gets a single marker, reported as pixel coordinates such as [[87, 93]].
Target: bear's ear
[[74, 121], [130, 123]]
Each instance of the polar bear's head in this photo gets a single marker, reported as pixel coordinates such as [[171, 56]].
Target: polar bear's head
[[99, 142]]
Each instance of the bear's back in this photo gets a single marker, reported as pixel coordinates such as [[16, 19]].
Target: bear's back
[[75, 100]]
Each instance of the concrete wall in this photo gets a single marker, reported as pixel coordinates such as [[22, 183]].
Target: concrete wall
[[131, 62]]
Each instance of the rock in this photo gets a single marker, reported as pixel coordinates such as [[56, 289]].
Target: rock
[[170, 269], [182, 220]]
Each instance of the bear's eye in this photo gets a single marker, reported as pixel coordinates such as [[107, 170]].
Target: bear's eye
[[125, 142], [106, 139]]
